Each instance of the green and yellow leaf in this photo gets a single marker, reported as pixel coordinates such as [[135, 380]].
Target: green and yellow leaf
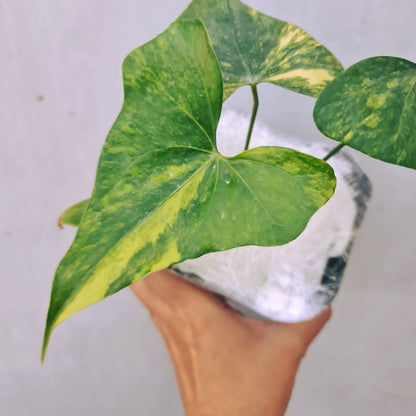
[[72, 216], [163, 193], [253, 48], [372, 108]]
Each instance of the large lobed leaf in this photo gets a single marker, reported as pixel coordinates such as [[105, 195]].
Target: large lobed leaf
[[372, 108], [253, 48], [164, 194]]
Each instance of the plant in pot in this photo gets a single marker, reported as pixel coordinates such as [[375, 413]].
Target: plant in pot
[[165, 194]]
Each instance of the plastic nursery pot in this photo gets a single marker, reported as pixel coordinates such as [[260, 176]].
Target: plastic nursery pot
[[296, 281]]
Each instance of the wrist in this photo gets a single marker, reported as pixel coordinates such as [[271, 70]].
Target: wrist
[[244, 397]]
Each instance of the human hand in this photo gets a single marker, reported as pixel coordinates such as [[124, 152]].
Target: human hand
[[225, 364]]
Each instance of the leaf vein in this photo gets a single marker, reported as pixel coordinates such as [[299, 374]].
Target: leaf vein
[[190, 116], [254, 196], [235, 38]]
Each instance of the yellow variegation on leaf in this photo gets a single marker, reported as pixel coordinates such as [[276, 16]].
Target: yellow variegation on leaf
[[252, 47]]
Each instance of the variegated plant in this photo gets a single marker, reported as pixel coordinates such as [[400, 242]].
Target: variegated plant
[[163, 192]]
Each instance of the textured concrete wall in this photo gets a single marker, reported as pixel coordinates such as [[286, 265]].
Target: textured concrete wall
[[60, 91]]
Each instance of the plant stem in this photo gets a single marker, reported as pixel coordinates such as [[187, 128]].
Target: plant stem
[[253, 114], [336, 149]]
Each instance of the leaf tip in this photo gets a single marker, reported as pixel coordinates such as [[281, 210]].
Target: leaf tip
[[60, 222], [45, 343], [51, 322]]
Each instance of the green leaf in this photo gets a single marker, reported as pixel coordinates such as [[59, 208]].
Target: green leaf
[[372, 108], [72, 215], [164, 194], [253, 48]]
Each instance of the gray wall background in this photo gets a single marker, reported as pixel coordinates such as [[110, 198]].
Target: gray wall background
[[60, 89]]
